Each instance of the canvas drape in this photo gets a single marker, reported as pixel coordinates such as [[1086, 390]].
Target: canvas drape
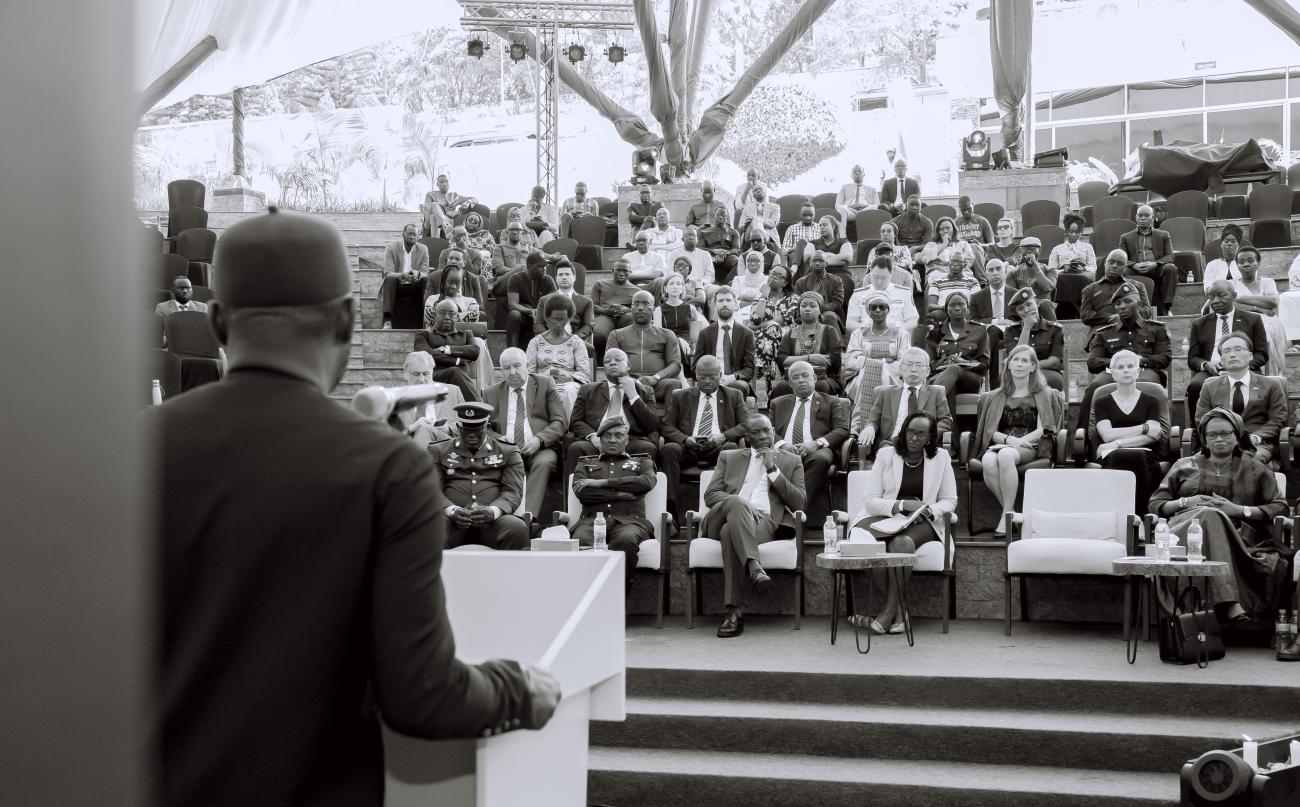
[[1011, 33]]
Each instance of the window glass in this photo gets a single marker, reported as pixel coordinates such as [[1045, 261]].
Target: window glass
[[1041, 106], [1065, 106], [1175, 127], [1105, 141], [1243, 89], [1239, 125], [1295, 132], [1158, 100]]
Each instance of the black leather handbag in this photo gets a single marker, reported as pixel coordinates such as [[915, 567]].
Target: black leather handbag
[[1190, 635]]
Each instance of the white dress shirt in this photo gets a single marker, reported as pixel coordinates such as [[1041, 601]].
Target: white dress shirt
[[1218, 331], [717, 345], [512, 412], [1245, 388], [701, 264], [651, 261], [755, 489], [714, 430], [806, 435]]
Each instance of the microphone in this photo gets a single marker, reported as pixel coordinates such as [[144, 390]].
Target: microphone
[[379, 403]]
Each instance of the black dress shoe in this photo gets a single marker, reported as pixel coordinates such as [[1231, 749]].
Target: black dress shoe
[[760, 579], [732, 626], [1231, 613], [1289, 653]]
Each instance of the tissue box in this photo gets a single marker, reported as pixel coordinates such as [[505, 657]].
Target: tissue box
[[555, 545], [861, 549], [1177, 551]]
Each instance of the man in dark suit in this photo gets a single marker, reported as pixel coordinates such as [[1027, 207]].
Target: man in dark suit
[[1260, 401], [878, 426], [615, 483], [731, 343], [453, 351], [406, 273], [813, 426], [583, 320], [1203, 357], [527, 411], [991, 305], [618, 395], [483, 479], [700, 422], [753, 492], [182, 299], [297, 580], [891, 199], [1151, 254]]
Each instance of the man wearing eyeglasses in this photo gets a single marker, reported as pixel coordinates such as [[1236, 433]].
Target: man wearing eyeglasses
[[1258, 400], [1224, 318], [877, 427]]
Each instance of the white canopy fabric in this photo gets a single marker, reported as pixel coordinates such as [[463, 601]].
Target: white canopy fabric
[[261, 39]]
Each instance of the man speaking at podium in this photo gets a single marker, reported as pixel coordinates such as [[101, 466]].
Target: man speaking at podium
[[297, 563]]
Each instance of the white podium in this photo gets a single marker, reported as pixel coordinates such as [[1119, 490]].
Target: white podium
[[561, 610]]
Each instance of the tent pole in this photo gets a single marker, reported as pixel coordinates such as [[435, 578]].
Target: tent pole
[[174, 75]]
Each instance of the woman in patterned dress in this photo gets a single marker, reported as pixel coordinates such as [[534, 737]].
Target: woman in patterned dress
[[770, 316], [558, 353], [873, 352]]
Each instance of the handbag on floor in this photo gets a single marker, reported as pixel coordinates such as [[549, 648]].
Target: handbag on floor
[[1190, 635]]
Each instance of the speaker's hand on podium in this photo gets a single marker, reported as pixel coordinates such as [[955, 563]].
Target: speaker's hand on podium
[[544, 697]]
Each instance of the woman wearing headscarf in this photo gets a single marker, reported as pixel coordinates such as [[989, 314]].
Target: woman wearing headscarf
[[1225, 266], [749, 284], [873, 350], [476, 232], [810, 340], [1234, 498], [776, 308], [1072, 264]]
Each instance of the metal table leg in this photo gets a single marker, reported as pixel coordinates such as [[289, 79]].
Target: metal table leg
[[1138, 597], [835, 604], [900, 581], [857, 631]]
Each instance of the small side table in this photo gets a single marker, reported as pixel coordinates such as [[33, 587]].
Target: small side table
[[839, 565], [1138, 570]]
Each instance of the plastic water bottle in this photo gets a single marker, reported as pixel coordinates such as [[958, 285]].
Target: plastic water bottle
[[598, 534], [1292, 630], [1162, 540], [1281, 638], [831, 535], [1195, 542], [156, 393]]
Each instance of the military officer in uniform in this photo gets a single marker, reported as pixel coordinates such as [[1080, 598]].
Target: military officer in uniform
[[1046, 337], [614, 483], [1128, 331], [483, 478]]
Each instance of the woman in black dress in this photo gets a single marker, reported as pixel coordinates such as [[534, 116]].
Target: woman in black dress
[[1127, 432]]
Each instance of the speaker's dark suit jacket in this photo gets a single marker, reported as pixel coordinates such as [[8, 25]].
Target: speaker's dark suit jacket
[[684, 410], [743, 361], [1205, 334], [889, 193]]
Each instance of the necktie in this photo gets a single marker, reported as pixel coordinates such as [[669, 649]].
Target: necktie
[[997, 305], [1238, 400], [615, 404], [857, 194], [706, 418], [800, 414], [1223, 327], [912, 403], [520, 414], [726, 349]]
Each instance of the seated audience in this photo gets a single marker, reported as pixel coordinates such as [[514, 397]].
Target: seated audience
[[830, 287], [1016, 424], [512, 253], [482, 477], [700, 422], [917, 478], [896, 190], [557, 353], [582, 319], [805, 230], [722, 242], [434, 420], [541, 217], [913, 227], [1005, 248], [454, 258], [900, 257], [731, 343], [949, 277], [854, 197], [616, 396], [991, 305], [1072, 265], [871, 358], [664, 237], [750, 284], [644, 264], [528, 238], [700, 260], [654, 355], [812, 425], [1288, 308], [1097, 308], [774, 310], [761, 244], [958, 349], [972, 228], [1129, 330], [902, 308], [1046, 337], [459, 239], [1203, 357], [1151, 254], [760, 215], [441, 206], [614, 483], [1258, 400], [1129, 434], [1225, 266], [453, 351], [612, 302], [704, 213], [1029, 274], [467, 309], [182, 299], [754, 492], [1234, 498], [477, 235], [577, 205], [524, 292], [641, 214], [406, 273], [877, 424], [529, 413], [810, 341], [1257, 294]]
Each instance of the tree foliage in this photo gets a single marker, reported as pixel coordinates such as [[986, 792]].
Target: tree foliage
[[785, 130]]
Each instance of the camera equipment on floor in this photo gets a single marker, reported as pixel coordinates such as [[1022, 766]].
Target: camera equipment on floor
[[1227, 778]]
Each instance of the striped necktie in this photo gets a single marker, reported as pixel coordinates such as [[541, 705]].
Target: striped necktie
[[520, 414]]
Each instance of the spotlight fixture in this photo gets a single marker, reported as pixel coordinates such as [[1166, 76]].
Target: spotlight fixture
[[644, 168], [518, 51], [476, 48], [577, 53], [615, 53]]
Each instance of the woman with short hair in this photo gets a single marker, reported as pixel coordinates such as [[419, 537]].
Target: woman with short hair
[[1073, 265], [558, 353], [1126, 431]]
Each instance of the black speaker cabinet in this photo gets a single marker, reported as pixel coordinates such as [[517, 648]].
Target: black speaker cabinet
[[1051, 159]]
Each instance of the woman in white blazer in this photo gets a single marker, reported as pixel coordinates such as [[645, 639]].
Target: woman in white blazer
[[913, 476]]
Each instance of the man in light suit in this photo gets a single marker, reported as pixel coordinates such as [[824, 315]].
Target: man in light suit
[[753, 492], [182, 299], [811, 425], [731, 343], [878, 426], [701, 421], [616, 396], [435, 420], [761, 210], [528, 412], [1260, 401], [893, 198], [406, 273], [854, 197], [1224, 317]]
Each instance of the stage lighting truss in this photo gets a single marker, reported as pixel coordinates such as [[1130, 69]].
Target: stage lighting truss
[[576, 53], [477, 47], [518, 51], [516, 14], [615, 53]]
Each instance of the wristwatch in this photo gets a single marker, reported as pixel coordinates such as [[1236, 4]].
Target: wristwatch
[[1245, 513]]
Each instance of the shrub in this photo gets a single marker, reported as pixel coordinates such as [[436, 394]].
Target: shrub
[[783, 130]]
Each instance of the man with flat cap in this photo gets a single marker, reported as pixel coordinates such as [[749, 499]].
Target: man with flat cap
[[483, 479], [298, 552], [614, 483], [1128, 331]]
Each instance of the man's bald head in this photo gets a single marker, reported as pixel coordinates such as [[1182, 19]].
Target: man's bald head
[[615, 364]]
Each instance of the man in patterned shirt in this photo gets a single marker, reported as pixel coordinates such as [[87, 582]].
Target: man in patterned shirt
[[577, 205], [803, 230]]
